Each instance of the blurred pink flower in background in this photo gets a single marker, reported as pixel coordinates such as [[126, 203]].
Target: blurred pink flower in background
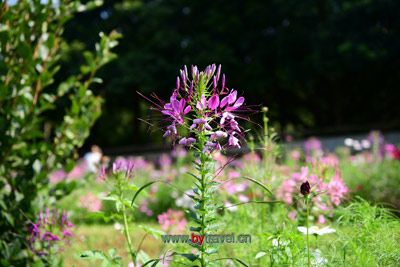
[[312, 148], [321, 219], [219, 158], [392, 151], [301, 176], [337, 189], [251, 157], [57, 176], [144, 208], [292, 215], [330, 160], [243, 198], [286, 191], [172, 221], [90, 202], [165, 161], [295, 154], [232, 187], [78, 171], [179, 152], [233, 174]]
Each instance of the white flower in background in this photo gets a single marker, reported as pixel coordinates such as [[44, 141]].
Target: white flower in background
[[243, 198], [357, 145], [315, 230], [318, 259], [365, 143], [229, 206], [185, 201], [174, 194], [117, 226], [348, 142]]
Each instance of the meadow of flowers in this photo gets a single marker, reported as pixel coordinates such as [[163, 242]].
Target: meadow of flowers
[[301, 204]]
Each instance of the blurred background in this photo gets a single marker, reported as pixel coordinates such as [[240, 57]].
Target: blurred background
[[323, 67]]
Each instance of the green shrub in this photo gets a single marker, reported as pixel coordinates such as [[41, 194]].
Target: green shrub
[[31, 44]]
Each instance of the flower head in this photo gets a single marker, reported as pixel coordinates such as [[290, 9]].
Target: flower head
[[203, 105], [305, 188], [123, 165]]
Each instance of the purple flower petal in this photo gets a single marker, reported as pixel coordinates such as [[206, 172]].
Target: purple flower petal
[[239, 102], [224, 101], [232, 97], [187, 110], [175, 105], [187, 141], [199, 121], [213, 102]]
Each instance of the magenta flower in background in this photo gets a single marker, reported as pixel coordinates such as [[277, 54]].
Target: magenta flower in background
[[123, 165], [392, 151], [52, 228]]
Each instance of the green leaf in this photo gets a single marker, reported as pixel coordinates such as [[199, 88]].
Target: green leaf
[[234, 259], [189, 256], [152, 231], [258, 183], [140, 190], [260, 254], [154, 261], [94, 254]]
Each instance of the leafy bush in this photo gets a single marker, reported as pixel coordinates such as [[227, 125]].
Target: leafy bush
[[31, 146], [378, 181]]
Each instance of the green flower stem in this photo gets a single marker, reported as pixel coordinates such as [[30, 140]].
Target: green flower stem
[[127, 236], [307, 200], [126, 227], [203, 190]]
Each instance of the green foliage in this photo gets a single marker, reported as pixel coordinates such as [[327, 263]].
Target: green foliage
[[32, 146], [369, 236], [378, 181]]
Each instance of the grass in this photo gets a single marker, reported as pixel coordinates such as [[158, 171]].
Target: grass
[[105, 237], [366, 235]]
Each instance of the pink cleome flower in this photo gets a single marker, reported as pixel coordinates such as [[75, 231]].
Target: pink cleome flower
[[90, 202], [200, 103], [172, 221]]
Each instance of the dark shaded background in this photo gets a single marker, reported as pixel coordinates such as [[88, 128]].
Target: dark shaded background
[[322, 67]]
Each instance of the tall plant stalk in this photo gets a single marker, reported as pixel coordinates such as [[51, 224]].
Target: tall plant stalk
[[201, 116], [307, 200], [126, 227]]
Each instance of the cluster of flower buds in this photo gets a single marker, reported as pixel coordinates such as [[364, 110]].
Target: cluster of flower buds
[[202, 104]]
